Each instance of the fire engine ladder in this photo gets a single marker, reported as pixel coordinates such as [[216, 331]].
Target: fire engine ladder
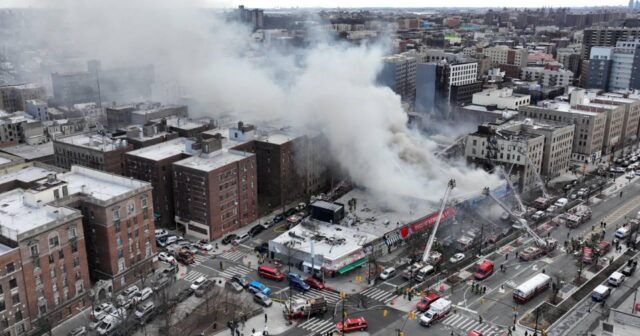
[[432, 237], [539, 241]]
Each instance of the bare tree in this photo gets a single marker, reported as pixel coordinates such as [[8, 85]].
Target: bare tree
[[556, 285]]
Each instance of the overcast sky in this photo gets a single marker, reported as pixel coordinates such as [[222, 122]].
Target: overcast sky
[[350, 3]]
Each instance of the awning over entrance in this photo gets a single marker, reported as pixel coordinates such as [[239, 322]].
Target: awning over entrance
[[392, 238], [352, 266]]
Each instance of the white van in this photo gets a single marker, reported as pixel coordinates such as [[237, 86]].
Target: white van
[[616, 278], [622, 232], [561, 202], [601, 293]]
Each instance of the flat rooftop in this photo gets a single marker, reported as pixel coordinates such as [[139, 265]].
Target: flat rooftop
[[93, 141], [163, 150], [212, 161], [16, 216], [99, 185], [29, 173], [184, 123], [30, 152], [330, 241], [377, 217], [563, 107], [276, 138]]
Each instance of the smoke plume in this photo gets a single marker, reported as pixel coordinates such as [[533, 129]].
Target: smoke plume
[[328, 87]]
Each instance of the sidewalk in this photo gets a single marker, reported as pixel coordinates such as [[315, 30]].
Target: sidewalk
[[275, 324]]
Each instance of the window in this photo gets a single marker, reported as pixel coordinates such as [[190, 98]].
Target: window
[[61, 254], [71, 232], [74, 247], [34, 250], [18, 315], [121, 264], [131, 208], [11, 267], [13, 283], [2, 308], [116, 214], [54, 241], [15, 298], [51, 259]]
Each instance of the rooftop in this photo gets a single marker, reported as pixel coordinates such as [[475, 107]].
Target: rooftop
[[99, 185], [212, 161], [16, 216], [185, 123], [27, 173], [94, 141], [163, 150], [30, 152], [276, 138]]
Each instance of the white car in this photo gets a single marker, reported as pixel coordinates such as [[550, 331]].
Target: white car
[[203, 246], [199, 281], [166, 257], [388, 273], [161, 233], [456, 257], [142, 295]]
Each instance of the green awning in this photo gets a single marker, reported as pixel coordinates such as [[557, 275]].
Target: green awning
[[352, 266]]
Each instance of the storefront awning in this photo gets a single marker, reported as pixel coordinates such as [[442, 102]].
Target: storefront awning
[[352, 266], [392, 238]]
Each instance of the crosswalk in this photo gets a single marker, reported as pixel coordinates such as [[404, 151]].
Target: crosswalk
[[465, 324], [236, 269], [233, 255], [378, 294], [317, 326], [329, 296], [193, 275], [199, 259]]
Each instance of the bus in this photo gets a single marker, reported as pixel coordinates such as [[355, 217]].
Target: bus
[[530, 288]]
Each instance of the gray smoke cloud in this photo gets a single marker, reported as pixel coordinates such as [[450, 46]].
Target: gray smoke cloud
[[328, 87]]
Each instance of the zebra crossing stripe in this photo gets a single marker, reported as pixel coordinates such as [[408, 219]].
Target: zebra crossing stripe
[[317, 325], [466, 323], [452, 319], [193, 275]]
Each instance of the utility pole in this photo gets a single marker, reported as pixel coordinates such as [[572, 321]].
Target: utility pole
[[535, 329]]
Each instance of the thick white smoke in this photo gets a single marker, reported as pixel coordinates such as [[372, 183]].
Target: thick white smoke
[[327, 87]]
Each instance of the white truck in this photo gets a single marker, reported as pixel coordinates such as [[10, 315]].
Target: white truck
[[438, 310]]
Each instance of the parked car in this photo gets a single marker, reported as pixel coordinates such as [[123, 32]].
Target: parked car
[[241, 239], [278, 218], [255, 230], [314, 283], [387, 273], [353, 324], [242, 281], [161, 283], [229, 238], [145, 311], [80, 331], [142, 295], [456, 258], [204, 288], [630, 267], [166, 257], [262, 299], [161, 233], [262, 248], [101, 311], [297, 282], [125, 299], [199, 281], [108, 325], [235, 286], [184, 294]]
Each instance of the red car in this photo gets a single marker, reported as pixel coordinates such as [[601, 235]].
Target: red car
[[353, 324], [474, 333], [602, 248], [426, 301], [314, 283]]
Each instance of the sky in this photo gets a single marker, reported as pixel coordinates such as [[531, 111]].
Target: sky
[[353, 3]]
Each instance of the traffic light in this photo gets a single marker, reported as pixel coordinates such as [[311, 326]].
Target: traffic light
[[385, 313], [412, 315]]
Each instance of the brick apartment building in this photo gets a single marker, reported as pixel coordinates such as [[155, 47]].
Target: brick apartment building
[[91, 150], [45, 277], [118, 221], [218, 189], [154, 164]]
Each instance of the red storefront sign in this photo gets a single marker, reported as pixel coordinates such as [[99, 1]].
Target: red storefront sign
[[430, 220]]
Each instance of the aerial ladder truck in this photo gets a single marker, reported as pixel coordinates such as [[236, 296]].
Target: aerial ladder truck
[[545, 244]]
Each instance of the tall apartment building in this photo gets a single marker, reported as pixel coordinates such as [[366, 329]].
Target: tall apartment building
[[441, 86], [612, 68], [631, 121], [558, 144], [154, 164], [91, 150], [399, 74], [505, 55], [502, 98], [507, 144], [44, 277], [569, 57], [606, 37], [590, 124], [218, 191], [117, 219], [13, 97], [547, 76]]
